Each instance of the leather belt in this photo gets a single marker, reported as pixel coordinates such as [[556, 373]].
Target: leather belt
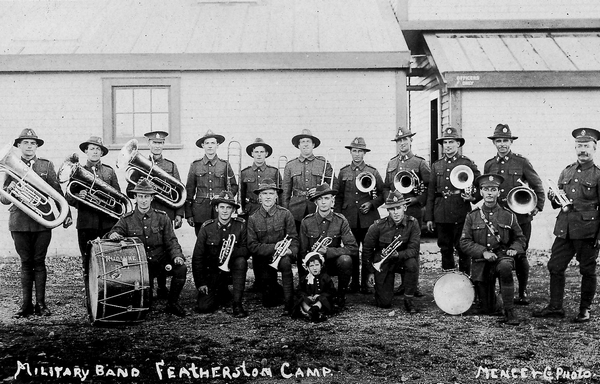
[[448, 193], [296, 192]]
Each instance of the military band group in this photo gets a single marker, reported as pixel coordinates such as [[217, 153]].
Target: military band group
[[327, 225]]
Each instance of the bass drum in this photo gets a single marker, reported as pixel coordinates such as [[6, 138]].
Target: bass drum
[[117, 282], [454, 293]]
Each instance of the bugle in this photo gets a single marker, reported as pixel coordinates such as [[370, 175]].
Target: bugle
[[559, 197], [387, 252], [234, 151], [462, 177], [20, 185], [99, 195], [226, 251], [280, 251], [407, 181], [365, 182], [168, 189], [521, 199]]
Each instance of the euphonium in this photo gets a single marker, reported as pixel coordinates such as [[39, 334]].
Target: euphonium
[[387, 252], [29, 192], [100, 195], [365, 182], [226, 251], [407, 181], [322, 242], [169, 190], [521, 199], [560, 197], [462, 178], [280, 251]]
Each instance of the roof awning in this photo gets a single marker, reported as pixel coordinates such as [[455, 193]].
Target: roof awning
[[516, 60]]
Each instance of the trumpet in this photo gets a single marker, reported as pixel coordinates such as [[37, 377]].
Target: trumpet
[[281, 163], [322, 242], [99, 194], [387, 252], [365, 182], [234, 150], [560, 197], [325, 168], [280, 251], [462, 178], [521, 199], [226, 251], [29, 192], [169, 190], [407, 181]]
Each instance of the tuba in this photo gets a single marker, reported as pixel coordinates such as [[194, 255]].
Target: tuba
[[387, 252], [29, 192], [226, 251], [462, 178], [169, 190], [521, 199], [280, 251], [407, 181], [100, 195], [560, 197]]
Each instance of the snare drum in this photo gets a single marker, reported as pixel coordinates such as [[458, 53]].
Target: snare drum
[[117, 282], [454, 293]]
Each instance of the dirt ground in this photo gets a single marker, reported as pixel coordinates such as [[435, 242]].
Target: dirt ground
[[363, 344]]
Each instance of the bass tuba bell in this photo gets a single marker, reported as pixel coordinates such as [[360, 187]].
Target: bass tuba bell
[[521, 199], [406, 181], [99, 195], [462, 177], [29, 192], [169, 190]]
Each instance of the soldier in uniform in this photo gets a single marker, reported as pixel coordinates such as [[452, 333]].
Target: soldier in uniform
[[359, 208], [207, 178], [155, 230], [92, 223], [301, 177], [577, 227], [516, 170], [339, 253], [31, 238], [404, 259], [210, 275], [493, 239], [446, 205], [267, 230], [156, 143]]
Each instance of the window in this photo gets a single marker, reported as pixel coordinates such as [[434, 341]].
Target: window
[[134, 106]]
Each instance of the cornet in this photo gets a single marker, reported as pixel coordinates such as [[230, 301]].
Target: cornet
[[226, 251], [322, 242], [521, 199], [169, 190], [29, 192], [407, 181], [280, 251], [99, 194], [462, 178], [560, 196], [387, 252], [365, 182]]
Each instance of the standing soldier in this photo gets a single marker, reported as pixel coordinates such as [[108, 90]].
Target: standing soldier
[[577, 227], [359, 206], [268, 230], [517, 171], [301, 177], [447, 206], [31, 238], [92, 223], [207, 178], [324, 224], [210, 271], [156, 143]]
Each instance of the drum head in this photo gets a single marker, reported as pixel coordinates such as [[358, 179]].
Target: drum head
[[453, 293]]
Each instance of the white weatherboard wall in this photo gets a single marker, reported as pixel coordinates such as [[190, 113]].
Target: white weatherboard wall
[[66, 108], [542, 120]]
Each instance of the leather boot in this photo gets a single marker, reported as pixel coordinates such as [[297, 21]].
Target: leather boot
[[40, 294], [409, 305], [239, 311], [510, 318], [26, 309]]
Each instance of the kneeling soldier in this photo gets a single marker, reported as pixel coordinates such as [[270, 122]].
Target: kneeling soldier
[[211, 274], [398, 237]]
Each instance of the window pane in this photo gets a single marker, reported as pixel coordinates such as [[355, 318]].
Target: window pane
[[141, 100], [160, 100], [123, 100], [142, 124], [160, 122], [124, 125]]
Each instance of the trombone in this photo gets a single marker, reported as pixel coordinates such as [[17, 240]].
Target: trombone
[[332, 167], [281, 163], [387, 252], [234, 150]]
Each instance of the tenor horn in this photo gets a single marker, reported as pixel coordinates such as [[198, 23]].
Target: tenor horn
[[462, 178], [168, 189], [521, 199], [406, 181], [29, 192], [99, 195], [365, 182]]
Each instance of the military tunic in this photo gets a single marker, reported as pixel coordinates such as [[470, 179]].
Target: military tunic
[[206, 179], [300, 175], [251, 177]]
